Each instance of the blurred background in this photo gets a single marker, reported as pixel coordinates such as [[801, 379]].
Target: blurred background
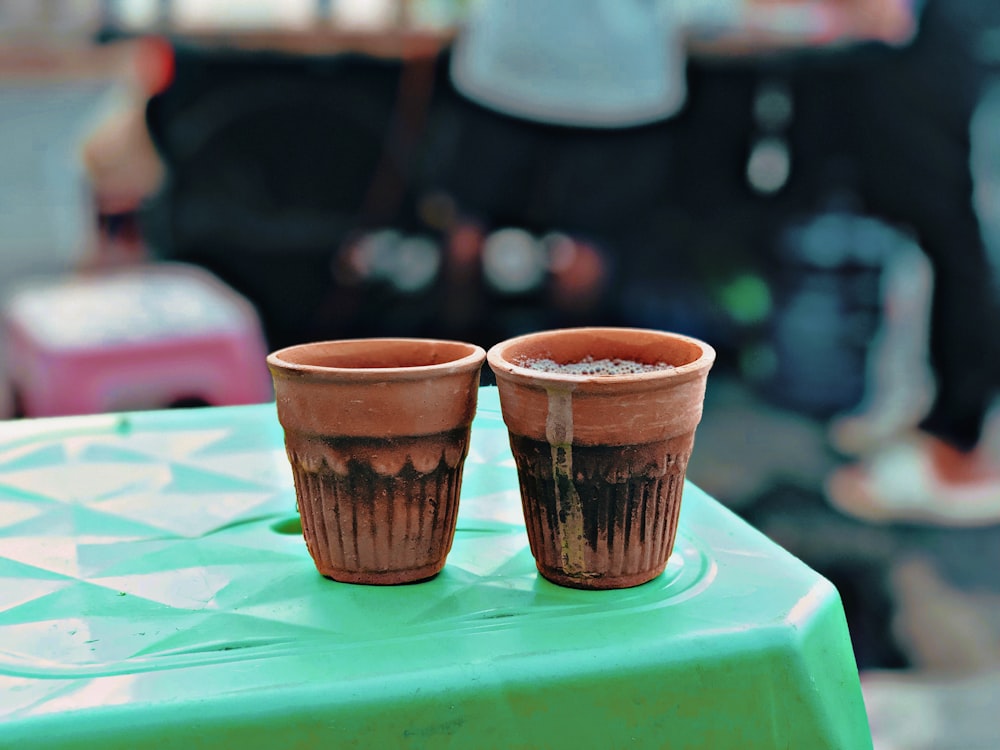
[[269, 172]]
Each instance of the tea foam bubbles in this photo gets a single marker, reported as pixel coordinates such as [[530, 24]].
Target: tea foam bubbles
[[590, 366]]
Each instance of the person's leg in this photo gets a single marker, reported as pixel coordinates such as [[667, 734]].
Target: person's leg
[[933, 194], [913, 115]]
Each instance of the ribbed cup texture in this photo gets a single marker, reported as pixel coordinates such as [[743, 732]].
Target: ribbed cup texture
[[377, 510], [601, 517]]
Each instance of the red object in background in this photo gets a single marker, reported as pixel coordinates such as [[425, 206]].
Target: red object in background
[[155, 65]]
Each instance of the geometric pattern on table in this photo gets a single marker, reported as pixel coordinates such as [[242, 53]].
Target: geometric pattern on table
[[154, 585], [146, 543]]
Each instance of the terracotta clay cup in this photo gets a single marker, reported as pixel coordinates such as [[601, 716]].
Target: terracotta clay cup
[[377, 431], [601, 424]]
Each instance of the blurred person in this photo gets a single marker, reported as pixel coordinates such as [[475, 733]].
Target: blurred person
[[567, 117], [914, 108], [119, 157], [259, 164], [614, 67], [621, 63], [567, 106]]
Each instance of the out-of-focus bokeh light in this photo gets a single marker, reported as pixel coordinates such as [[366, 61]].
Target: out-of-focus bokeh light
[[514, 262]]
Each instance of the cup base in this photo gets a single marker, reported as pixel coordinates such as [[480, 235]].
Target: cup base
[[598, 582], [384, 578]]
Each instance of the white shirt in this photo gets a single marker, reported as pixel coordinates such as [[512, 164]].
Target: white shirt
[[597, 63]]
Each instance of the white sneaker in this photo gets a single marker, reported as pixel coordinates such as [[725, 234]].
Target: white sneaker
[[900, 484]]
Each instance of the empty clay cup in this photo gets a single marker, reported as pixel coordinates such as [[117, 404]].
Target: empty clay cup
[[377, 431]]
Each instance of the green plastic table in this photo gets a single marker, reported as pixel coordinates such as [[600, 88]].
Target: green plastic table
[[155, 592]]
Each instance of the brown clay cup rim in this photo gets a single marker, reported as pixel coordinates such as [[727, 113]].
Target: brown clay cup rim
[[374, 359], [624, 343]]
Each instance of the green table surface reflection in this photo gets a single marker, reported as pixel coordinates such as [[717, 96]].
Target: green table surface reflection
[[155, 592]]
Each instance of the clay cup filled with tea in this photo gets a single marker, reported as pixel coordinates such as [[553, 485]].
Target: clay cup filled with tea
[[377, 431], [602, 424]]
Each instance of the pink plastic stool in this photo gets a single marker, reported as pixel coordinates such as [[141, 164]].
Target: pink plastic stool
[[142, 337]]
